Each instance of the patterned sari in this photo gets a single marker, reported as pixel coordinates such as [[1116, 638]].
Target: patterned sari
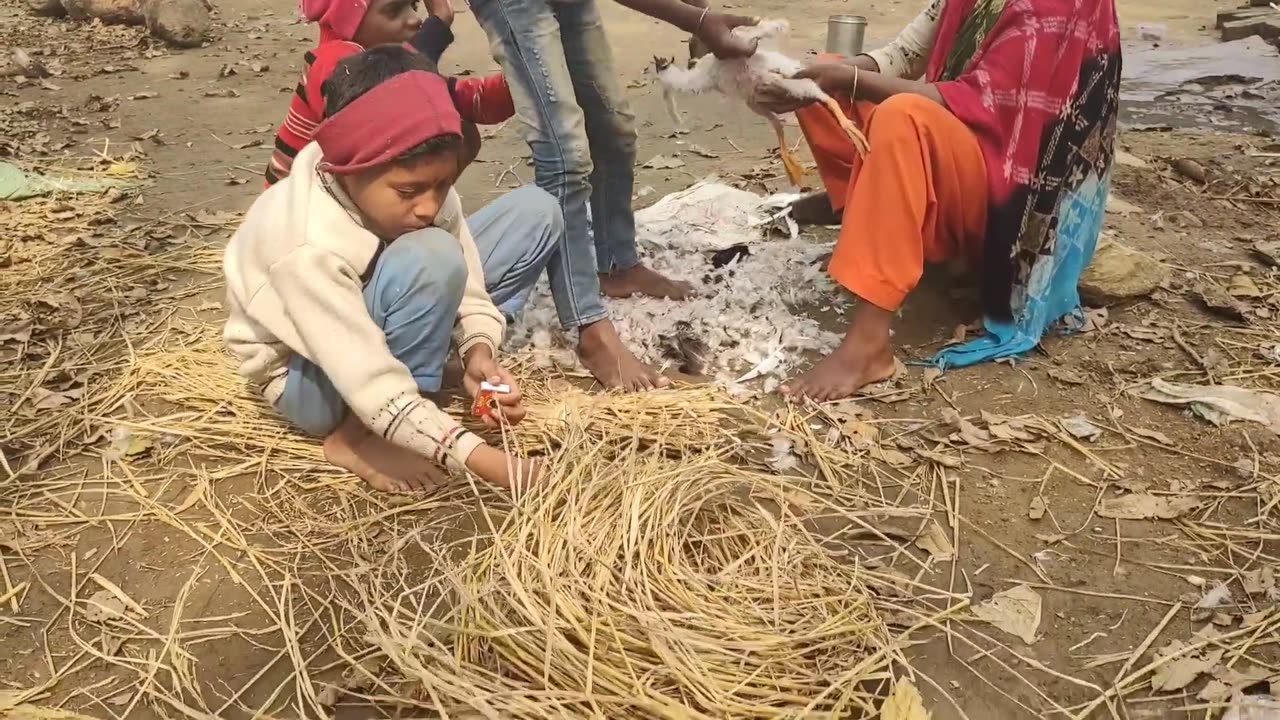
[[1038, 83]]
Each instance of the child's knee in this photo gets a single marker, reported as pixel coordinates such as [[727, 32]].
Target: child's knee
[[539, 210], [428, 260]]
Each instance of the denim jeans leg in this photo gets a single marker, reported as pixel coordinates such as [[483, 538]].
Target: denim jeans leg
[[413, 296], [611, 132], [525, 39], [516, 235]]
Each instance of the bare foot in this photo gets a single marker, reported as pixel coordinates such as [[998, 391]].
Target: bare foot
[[642, 280], [864, 357], [603, 353], [384, 466]]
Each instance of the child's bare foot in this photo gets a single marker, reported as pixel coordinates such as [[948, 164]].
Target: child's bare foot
[[643, 280], [864, 357], [384, 466], [603, 353]]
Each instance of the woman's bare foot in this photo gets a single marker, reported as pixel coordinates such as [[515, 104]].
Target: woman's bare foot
[[384, 466], [603, 353], [864, 357], [643, 280]]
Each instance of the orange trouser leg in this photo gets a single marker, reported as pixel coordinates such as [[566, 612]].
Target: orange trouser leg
[[919, 196]]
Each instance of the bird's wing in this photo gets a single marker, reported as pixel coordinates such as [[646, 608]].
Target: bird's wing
[[767, 29], [799, 88]]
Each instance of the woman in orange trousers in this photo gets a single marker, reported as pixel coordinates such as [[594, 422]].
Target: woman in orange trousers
[[971, 165]]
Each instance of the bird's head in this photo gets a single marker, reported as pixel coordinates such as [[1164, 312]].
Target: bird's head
[[661, 63]]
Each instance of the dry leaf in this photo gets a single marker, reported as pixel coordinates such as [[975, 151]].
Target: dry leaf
[[1051, 539], [1037, 509], [1081, 429], [1144, 506], [1218, 301], [662, 162], [1214, 692], [934, 541], [1154, 435], [939, 458], [1067, 376], [103, 606], [891, 456], [1243, 286], [1143, 332], [904, 703], [699, 150], [1268, 252], [1015, 611], [1177, 674], [1257, 582]]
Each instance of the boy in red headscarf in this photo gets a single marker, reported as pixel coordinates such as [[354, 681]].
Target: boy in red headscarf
[[351, 281], [349, 26]]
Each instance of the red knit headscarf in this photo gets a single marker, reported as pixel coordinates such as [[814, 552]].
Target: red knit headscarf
[[338, 19], [389, 120]]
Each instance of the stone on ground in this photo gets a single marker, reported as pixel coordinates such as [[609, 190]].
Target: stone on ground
[[182, 23], [111, 12], [47, 8], [1118, 273]]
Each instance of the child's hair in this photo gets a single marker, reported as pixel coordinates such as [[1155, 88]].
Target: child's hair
[[358, 74]]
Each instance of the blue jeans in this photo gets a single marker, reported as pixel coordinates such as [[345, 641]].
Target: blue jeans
[[416, 287], [581, 131]]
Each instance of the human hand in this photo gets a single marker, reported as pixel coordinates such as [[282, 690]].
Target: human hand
[[833, 77], [481, 368], [716, 32], [442, 9], [778, 98], [509, 471]]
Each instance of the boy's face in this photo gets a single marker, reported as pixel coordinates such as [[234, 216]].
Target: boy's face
[[403, 197], [388, 21]]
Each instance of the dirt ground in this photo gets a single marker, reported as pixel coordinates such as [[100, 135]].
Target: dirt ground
[[202, 135]]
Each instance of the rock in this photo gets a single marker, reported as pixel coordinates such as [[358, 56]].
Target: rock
[[1119, 206], [1118, 274], [181, 23], [47, 8], [112, 12], [1191, 170]]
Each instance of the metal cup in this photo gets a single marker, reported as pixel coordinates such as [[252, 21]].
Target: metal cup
[[845, 34]]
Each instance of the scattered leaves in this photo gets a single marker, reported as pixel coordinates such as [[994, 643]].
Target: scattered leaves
[[663, 162], [1145, 506], [1015, 611]]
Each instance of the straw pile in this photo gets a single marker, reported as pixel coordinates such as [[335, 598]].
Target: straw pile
[[638, 583], [660, 571]]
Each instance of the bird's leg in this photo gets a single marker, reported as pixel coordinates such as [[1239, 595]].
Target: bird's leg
[[859, 140], [795, 171]]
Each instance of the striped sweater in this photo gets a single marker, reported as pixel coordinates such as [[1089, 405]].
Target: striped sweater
[[484, 101]]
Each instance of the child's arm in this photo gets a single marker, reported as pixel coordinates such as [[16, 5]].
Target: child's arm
[[433, 38], [713, 29]]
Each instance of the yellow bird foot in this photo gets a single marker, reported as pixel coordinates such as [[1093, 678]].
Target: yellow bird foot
[[793, 166], [859, 139]]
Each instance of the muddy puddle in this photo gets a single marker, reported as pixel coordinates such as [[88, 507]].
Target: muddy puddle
[[1231, 86]]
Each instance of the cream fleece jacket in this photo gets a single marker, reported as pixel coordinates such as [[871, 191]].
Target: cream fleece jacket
[[907, 57], [293, 272]]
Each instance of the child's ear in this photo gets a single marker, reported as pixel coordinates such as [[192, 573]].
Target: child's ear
[[325, 88]]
